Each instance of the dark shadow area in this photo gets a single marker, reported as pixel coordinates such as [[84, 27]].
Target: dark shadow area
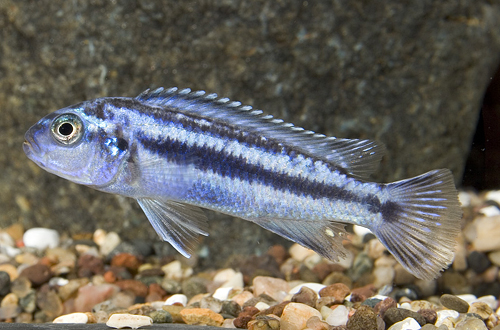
[[482, 170]]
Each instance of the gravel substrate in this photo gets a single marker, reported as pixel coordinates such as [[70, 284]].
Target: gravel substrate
[[97, 279]]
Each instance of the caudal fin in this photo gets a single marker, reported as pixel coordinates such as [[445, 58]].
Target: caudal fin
[[421, 222]]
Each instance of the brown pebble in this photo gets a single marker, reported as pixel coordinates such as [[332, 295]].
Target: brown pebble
[[430, 315], [384, 305], [278, 252], [37, 274], [202, 316], [322, 270], [362, 293], [306, 296], [338, 290], [126, 260], [175, 311], [264, 323], [50, 303], [242, 321], [109, 277], [89, 265], [315, 323], [137, 287], [276, 309]]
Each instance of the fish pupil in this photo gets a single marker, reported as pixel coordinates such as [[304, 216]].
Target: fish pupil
[[66, 129]]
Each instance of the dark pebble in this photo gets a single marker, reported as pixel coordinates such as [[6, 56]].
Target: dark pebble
[[484, 289], [120, 273], [161, 316], [21, 286], [453, 302], [393, 315], [4, 283], [152, 272], [276, 309], [408, 292], [478, 261], [230, 307], [124, 247], [171, 286], [143, 248], [148, 280], [245, 316], [307, 275], [371, 302], [362, 264], [28, 302], [363, 319], [193, 286], [37, 274], [430, 315]]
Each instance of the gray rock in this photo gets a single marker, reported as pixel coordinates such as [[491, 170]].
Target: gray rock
[[411, 76], [393, 315], [4, 283], [453, 302]]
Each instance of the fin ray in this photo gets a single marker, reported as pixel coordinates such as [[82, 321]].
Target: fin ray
[[421, 234], [357, 157], [177, 223]]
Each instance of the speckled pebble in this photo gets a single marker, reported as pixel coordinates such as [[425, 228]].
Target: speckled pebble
[[481, 308], [363, 319], [201, 316], [305, 296], [453, 302], [161, 316], [394, 315]]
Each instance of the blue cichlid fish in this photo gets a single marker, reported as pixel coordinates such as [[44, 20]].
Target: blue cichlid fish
[[176, 151]]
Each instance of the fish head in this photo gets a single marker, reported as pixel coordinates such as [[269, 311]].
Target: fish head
[[77, 146]]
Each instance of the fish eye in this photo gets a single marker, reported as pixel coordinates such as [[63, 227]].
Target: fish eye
[[67, 129]]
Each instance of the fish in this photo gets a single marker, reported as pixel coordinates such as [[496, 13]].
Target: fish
[[178, 151]]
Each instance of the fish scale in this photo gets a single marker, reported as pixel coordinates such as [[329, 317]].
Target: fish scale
[[176, 151]]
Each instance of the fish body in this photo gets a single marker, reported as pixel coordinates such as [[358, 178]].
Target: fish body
[[176, 151]]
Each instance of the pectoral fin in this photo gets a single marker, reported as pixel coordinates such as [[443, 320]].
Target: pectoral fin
[[176, 223]]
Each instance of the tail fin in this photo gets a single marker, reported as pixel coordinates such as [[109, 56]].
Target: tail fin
[[421, 222]]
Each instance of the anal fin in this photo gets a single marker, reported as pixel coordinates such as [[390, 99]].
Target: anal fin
[[177, 223], [323, 237]]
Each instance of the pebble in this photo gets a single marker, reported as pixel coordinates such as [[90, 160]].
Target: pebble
[[4, 283], [338, 316], [487, 230], [230, 308], [193, 286], [274, 287], [299, 253], [394, 315], [109, 243], [338, 291], [406, 324], [453, 302], [175, 312], [222, 293], [9, 300], [495, 257], [37, 274], [119, 321], [89, 265], [478, 261], [161, 316], [471, 324], [41, 238], [363, 319], [305, 296], [50, 303], [201, 316], [177, 298], [295, 316], [71, 287], [28, 301], [213, 304], [481, 308], [89, 295], [127, 260], [444, 314], [264, 323], [9, 269], [137, 287], [72, 318]]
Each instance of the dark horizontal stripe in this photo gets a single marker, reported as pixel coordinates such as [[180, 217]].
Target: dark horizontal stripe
[[236, 167]]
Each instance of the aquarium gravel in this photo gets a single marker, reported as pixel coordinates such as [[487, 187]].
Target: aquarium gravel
[[46, 276]]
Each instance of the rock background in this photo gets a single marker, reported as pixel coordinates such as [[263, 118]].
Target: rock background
[[409, 75]]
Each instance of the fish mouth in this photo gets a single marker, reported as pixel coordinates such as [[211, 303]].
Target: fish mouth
[[30, 147]]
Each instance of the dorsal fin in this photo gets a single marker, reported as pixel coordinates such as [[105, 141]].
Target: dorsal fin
[[357, 157]]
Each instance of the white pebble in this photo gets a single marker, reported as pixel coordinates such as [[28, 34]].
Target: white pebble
[[99, 236], [444, 314], [490, 211], [316, 287], [361, 231], [407, 324], [261, 306], [299, 253], [41, 238], [338, 316], [72, 318], [493, 196], [406, 305], [490, 300], [119, 321], [469, 298], [111, 241], [222, 293], [6, 239], [464, 198], [177, 298]]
